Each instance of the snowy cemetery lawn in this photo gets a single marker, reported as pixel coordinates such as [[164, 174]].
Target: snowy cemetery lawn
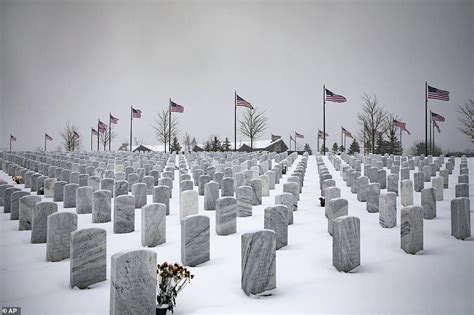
[[438, 280]]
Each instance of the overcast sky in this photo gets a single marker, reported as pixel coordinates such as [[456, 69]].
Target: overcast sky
[[78, 60]]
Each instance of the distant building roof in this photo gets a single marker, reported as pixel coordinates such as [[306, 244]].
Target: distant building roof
[[263, 145], [148, 148]]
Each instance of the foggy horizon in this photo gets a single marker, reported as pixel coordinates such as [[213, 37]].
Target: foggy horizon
[[79, 60]]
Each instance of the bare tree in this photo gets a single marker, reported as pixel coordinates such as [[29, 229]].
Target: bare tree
[[162, 127], [187, 142], [466, 119], [71, 141], [137, 141], [105, 138], [373, 120], [253, 124]]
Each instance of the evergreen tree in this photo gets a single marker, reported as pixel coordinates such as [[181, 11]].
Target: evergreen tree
[[321, 150], [342, 149], [380, 147], [207, 146], [226, 144], [307, 148], [193, 143], [354, 148], [216, 145], [419, 148], [392, 144], [175, 146], [335, 148]]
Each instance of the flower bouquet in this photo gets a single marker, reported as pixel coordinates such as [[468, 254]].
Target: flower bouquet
[[17, 179], [172, 278]]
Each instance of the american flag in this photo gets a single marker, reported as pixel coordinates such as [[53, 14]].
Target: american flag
[[176, 108], [94, 132], [297, 135], [102, 127], [401, 125], [437, 94], [12, 138], [347, 133], [113, 120], [75, 135], [331, 97], [437, 117], [241, 102], [321, 134], [136, 113], [436, 126], [48, 137]]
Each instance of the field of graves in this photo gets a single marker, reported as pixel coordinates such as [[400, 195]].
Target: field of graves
[[394, 234]]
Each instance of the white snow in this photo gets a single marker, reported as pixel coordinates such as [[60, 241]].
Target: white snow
[[440, 280]]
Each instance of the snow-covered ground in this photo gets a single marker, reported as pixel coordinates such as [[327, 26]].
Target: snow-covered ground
[[440, 280]]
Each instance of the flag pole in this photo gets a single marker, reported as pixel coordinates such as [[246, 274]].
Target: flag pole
[[169, 127], [98, 133], [431, 127], [363, 140], [235, 122], [45, 142], [400, 136], [131, 125], [432, 151], [318, 141], [110, 129], [91, 138], [324, 119], [295, 140], [10, 143], [341, 136], [426, 118]]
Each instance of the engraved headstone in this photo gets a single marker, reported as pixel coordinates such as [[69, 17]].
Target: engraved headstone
[[39, 221], [226, 216], [70, 195], [133, 282], [84, 199], [258, 265], [161, 194], [188, 203], [460, 218], [153, 224], [124, 214], [101, 206], [195, 240], [27, 205], [388, 210], [411, 229], [276, 219], [58, 240], [88, 264], [346, 243]]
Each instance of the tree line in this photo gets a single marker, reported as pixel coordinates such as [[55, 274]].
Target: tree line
[[377, 132]]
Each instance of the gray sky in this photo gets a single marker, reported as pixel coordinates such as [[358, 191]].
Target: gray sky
[[77, 60]]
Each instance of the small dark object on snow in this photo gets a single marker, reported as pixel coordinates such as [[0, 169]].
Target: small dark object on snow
[[322, 201], [40, 191], [283, 170]]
